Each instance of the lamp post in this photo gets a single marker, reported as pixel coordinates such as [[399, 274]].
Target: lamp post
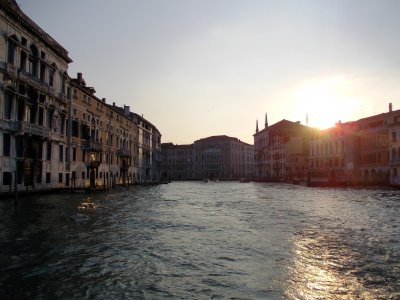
[[93, 166]]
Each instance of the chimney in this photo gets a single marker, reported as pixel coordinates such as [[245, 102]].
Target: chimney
[[80, 79], [113, 103], [126, 110], [104, 100], [390, 107]]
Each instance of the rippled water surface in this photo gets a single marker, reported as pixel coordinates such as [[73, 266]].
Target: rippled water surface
[[195, 240]]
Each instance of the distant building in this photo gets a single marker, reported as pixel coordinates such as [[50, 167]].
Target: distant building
[[223, 157], [177, 162]]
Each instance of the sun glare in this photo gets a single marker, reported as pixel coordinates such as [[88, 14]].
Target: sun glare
[[325, 102]]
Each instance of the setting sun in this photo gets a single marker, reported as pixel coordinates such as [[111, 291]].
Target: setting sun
[[325, 102]]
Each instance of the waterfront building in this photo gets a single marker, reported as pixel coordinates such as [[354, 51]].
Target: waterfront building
[[373, 149], [54, 131], [34, 97], [281, 151], [356, 153], [101, 140], [261, 141], [147, 148], [393, 122], [333, 155], [177, 162], [222, 157]]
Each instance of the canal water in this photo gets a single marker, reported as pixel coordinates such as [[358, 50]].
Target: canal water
[[196, 240]]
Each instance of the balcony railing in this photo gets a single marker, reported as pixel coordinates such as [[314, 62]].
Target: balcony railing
[[92, 146], [94, 163], [33, 129], [12, 70], [123, 153], [395, 161], [9, 125]]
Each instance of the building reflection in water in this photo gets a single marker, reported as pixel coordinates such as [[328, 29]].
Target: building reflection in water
[[326, 266]]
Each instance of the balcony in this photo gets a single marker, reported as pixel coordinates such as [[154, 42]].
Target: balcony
[[33, 129], [94, 164], [9, 125], [395, 162], [123, 153], [11, 70], [92, 146], [62, 97]]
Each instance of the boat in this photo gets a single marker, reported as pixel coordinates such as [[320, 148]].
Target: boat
[[206, 180], [244, 180]]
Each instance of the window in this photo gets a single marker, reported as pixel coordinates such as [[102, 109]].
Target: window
[[41, 118], [62, 85], [19, 146], [6, 144], [48, 177], [51, 77], [83, 175], [7, 106], [61, 153], [394, 137], [11, 52], [60, 177], [74, 154], [48, 151], [75, 128], [7, 178], [23, 61], [62, 125], [42, 71], [66, 153]]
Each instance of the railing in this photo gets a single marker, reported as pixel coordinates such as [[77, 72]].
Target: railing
[[12, 70], [94, 163], [33, 129], [92, 146], [9, 125], [123, 153], [395, 161]]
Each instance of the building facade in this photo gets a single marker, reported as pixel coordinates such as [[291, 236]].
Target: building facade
[[261, 154], [222, 157], [54, 131], [362, 152], [281, 151], [177, 162]]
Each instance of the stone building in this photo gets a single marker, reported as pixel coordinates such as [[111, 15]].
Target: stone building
[[360, 152], [281, 151], [54, 131], [177, 162], [222, 157], [332, 155], [393, 122], [261, 140], [34, 103]]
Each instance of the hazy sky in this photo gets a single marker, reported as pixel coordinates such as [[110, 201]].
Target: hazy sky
[[201, 68]]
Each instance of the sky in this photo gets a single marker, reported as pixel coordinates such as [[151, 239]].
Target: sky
[[213, 67]]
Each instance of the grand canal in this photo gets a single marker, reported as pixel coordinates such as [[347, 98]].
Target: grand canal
[[195, 240]]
